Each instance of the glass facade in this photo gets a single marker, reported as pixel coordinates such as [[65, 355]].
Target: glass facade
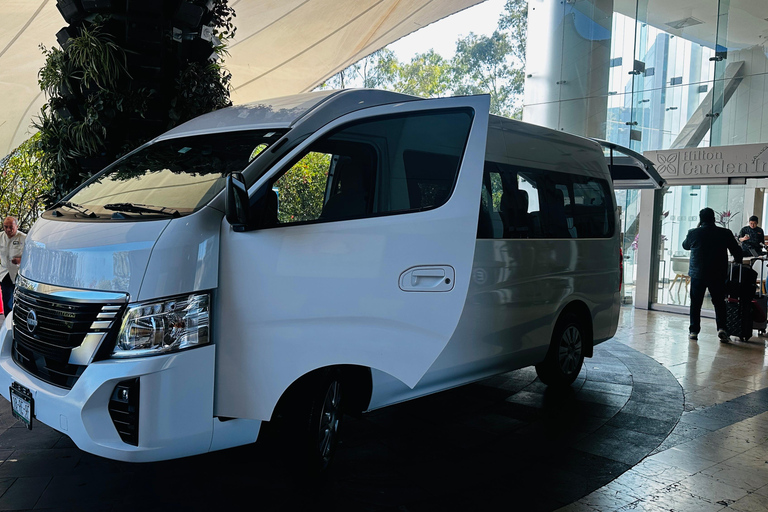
[[656, 75]]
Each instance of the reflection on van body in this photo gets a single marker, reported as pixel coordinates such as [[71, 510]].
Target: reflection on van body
[[310, 256]]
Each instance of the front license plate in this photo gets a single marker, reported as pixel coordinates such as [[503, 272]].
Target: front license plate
[[22, 404]]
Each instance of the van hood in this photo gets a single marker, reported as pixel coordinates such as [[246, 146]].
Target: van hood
[[145, 259], [108, 256]]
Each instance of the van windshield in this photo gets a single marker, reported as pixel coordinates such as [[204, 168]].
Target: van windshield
[[172, 177]]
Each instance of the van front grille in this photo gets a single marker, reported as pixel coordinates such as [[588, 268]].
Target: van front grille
[[55, 336]]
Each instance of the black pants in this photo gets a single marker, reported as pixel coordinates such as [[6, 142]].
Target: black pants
[[716, 288], [7, 287]]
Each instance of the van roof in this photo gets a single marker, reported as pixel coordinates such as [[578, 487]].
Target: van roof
[[286, 111]]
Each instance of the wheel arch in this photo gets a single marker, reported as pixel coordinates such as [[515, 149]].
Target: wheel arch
[[357, 384], [582, 312]]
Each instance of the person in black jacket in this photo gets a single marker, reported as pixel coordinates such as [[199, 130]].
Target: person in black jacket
[[751, 236], [709, 246]]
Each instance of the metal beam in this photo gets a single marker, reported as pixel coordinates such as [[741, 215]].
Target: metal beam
[[701, 120]]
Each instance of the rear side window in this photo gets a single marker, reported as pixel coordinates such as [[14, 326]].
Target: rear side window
[[519, 202], [387, 165]]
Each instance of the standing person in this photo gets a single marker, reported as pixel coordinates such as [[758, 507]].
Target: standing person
[[11, 247], [751, 236], [709, 246]]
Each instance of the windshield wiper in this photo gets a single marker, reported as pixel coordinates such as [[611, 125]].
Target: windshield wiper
[[142, 208], [74, 206]]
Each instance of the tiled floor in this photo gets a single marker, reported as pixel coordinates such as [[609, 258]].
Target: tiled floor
[[654, 422], [716, 458]]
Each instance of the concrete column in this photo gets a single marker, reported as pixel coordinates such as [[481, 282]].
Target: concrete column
[[568, 65], [646, 278]]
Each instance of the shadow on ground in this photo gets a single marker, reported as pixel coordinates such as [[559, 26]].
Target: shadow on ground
[[506, 441]]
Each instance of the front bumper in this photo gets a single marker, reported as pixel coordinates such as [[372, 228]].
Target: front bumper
[[176, 402]]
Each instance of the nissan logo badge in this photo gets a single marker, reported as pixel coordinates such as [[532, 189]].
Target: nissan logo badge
[[31, 320]]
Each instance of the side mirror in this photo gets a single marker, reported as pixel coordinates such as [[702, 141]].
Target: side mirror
[[236, 203]]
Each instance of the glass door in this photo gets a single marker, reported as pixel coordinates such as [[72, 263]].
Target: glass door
[[629, 204], [680, 213]]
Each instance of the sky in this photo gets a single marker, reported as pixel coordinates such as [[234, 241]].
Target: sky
[[442, 35]]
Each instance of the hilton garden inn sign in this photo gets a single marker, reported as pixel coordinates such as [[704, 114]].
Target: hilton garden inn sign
[[722, 164]]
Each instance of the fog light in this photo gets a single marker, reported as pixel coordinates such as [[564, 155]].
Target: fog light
[[124, 410]]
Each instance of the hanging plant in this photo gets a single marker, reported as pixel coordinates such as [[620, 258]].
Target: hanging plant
[[125, 76]]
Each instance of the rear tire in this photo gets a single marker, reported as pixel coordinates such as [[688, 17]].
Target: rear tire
[[566, 353]]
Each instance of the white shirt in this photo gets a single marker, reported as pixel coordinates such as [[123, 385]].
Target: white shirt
[[10, 248]]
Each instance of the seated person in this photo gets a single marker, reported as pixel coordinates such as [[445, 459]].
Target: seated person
[[751, 237]]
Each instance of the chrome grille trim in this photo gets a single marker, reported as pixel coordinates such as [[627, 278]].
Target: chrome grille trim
[[73, 294], [83, 355], [71, 327]]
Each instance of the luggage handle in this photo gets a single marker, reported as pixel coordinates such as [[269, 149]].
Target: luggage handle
[[741, 267]]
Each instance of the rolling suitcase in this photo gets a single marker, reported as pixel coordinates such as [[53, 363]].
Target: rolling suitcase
[[760, 303], [740, 291]]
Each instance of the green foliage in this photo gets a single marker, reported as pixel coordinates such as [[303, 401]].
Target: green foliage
[[223, 21], [23, 183], [200, 88], [424, 76], [85, 86], [491, 65], [99, 61], [204, 87], [377, 70], [480, 67], [102, 104], [301, 190], [514, 21]]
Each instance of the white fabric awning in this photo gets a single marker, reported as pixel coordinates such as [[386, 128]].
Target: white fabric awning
[[282, 46]]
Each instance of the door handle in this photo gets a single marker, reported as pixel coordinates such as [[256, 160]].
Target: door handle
[[428, 278]]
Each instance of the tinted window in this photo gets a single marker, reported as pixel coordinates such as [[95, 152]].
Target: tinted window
[[386, 165], [176, 175], [518, 202]]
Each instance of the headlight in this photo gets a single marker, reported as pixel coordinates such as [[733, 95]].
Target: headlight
[[162, 327]]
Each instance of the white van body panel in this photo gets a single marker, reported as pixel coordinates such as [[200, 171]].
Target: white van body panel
[[185, 258], [309, 296], [108, 256]]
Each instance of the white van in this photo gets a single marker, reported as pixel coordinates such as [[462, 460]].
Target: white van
[[336, 251]]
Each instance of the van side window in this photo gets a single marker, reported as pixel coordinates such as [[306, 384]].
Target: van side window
[[387, 165], [592, 209], [519, 202]]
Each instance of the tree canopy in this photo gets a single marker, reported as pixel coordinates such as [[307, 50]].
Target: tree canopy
[[22, 183], [493, 64]]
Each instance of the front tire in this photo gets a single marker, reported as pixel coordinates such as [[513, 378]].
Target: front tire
[[324, 422], [310, 422], [566, 353]]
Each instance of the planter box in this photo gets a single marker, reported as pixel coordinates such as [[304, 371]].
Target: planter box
[[71, 10]]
